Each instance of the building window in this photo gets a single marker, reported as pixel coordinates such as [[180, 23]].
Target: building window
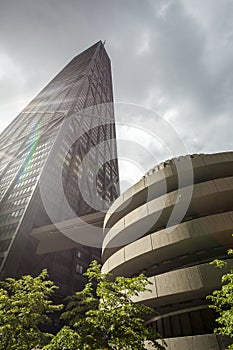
[[79, 268]]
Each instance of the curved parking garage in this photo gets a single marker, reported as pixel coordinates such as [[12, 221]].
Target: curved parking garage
[[140, 237]]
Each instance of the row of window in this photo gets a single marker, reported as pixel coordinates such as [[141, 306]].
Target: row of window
[[7, 229], [36, 158], [186, 324], [29, 173], [45, 144], [36, 165], [16, 166], [2, 193], [79, 268], [26, 182], [17, 203], [13, 215], [5, 184], [20, 192], [41, 149], [108, 196], [2, 167], [6, 180], [7, 177]]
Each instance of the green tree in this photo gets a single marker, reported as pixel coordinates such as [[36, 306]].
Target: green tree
[[103, 316], [222, 301], [24, 305]]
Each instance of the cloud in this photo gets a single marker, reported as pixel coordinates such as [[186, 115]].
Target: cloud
[[175, 57]]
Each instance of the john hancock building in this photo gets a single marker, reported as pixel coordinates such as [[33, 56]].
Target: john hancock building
[[49, 139]]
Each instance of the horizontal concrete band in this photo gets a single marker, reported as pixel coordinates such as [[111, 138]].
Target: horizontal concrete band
[[191, 169], [197, 342], [69, 234], [208, 197], [186, 238], [184, 284]]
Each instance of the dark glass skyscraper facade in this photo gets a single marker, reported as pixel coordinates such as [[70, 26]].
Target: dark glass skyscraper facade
[[52, 136]]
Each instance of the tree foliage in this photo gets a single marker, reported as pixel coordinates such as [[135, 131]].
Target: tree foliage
[[24, 305], [222, 301], [103, 316]]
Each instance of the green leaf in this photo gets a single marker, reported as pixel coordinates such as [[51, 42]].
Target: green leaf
[[103, 315], [24, 305], [222, 300]]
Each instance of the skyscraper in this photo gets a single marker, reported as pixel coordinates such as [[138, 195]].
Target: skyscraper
[[52, 136]]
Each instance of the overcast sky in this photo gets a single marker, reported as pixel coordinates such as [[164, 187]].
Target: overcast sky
[[174, 57]]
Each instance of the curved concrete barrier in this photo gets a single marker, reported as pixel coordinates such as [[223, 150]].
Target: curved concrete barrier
[[191, 237], [208, 197]]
